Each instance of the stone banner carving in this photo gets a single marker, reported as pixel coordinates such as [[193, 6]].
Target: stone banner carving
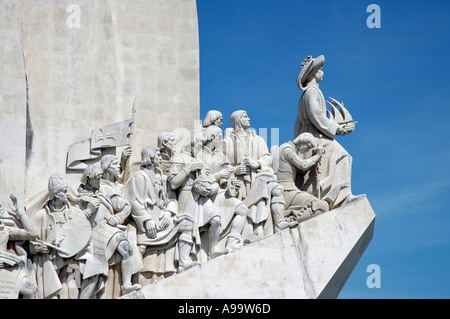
[[212, 194], [198, 195], [115, 135], [62, 80]]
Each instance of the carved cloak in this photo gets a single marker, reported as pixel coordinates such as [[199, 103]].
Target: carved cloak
[[335, 168]]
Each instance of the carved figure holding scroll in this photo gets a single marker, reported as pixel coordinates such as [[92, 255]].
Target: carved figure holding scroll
[[164, 235]]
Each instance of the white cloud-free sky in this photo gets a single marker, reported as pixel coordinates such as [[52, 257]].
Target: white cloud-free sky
[[394, 81]]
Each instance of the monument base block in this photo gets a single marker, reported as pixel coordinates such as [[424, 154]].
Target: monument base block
[[312, 260]]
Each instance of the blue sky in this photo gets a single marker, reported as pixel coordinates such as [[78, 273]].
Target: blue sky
[[394, 82]]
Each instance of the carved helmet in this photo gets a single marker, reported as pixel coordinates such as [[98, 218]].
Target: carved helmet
[[309, 67], [55, 183]]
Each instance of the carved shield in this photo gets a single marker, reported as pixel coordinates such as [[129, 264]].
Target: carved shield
[[76, 234]]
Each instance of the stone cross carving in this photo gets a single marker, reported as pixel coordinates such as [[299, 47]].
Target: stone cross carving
[[82, 153], [101, 136], [222, 191]]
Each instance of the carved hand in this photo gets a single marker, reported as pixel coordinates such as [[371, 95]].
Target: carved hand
[[150, 229], [92, 207], [164, 220], [252, 163], [42, 249], [203, 187], [13, 203], [350, 127], [59, 240], [341, 131], [113, 221], [316, 158], [238, 183], [240, 170], [319, 152], [226, 173], [195, 167], [126, 153]]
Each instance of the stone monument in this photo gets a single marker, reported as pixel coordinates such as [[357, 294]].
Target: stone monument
[[71, 69], [126, 195]]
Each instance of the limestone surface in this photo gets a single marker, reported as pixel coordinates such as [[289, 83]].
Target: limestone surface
[[70, 67], [122, 193], [313, 260]]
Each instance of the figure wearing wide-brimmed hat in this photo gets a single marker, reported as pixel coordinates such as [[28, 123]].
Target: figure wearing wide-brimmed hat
[[334, 172], [310, 67]]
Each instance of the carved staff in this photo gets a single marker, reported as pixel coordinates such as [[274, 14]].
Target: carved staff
[[132, 123], [248, 176], [318, 166], [62, 250]]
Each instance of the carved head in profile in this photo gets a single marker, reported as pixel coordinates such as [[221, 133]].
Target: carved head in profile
[[304, 142], [194, 143], [166, 140], [213, 117], [311, 69], [212, 135], [111, 164], [57, 188], [91, 176], [150, 155], [240, 119]]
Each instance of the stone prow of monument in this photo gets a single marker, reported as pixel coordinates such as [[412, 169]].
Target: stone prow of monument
[[70, 95], [61, 81], [312, 260]]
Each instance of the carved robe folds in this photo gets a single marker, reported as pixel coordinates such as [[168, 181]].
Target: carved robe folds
[[199, 209], [146, 192], [258, 183], [226, 204], [56, 274], [335, 171], [105, 237]]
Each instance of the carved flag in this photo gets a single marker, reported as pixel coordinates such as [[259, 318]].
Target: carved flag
[[83, 153]]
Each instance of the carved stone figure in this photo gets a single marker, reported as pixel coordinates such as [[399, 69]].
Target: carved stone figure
[[333, 183], [194, 188], [166, 145], [233, 212], [164, 237], [124, 167], [155, 218], [16, 275], [110, 242], [292, 158], [213, 117], [209, 198], [261, 193], [64, 267]]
